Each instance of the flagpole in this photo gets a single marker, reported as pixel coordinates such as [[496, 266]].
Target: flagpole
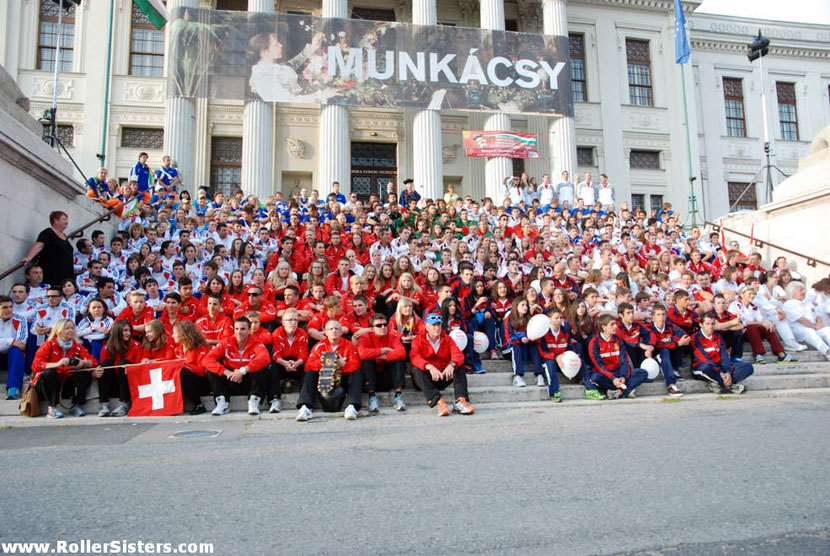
[[692, 178], [102, 156]]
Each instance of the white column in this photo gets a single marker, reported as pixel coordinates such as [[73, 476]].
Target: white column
[[496, 169], [180, 122], [562, 130], [426, 126], [335, 142], [258, 135]]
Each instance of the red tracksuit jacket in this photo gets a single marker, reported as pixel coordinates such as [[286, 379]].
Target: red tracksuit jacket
[[345, 349], [227, 355], [369, 346], [423, 354], [295, 350]]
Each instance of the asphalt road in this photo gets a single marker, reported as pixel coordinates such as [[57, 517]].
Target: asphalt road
[[704, 477]]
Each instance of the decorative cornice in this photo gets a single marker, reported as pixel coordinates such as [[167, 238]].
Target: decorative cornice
[[733, 47], [658, 5]]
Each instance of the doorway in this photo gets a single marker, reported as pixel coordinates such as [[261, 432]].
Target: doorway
[[373, 166]]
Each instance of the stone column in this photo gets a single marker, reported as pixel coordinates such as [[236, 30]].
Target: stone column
[[496, 169], [258, 135], [180, 121], [335, 142], [426, 126], [562, 130]]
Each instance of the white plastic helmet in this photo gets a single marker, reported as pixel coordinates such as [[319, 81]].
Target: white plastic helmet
[[651, 366], [459, 337], [569, 363], [537, 326], [480, 342]]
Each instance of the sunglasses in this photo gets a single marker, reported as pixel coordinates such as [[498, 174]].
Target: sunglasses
[[252, 294], [379, 325]]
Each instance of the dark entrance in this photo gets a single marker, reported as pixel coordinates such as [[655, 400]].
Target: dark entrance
[[373, 166]]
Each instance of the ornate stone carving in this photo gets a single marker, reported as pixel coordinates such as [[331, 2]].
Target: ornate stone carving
[[144, 92], [530, 16], [449, 153], [45, 88], [297, 148]]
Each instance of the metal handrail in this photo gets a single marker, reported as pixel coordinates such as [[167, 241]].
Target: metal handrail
[[811, 261], [74, 234]]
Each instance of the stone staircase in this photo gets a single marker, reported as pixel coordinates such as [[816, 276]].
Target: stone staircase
[[812, 371]]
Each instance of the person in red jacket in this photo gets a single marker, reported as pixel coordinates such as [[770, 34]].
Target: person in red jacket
[[190, 305], [121, 348], [137, 313], [171, 311], [57, 368], [351, 379], [612, 369], [214, 326], [267, 312], [156, 345], [192, 347], [337, 283], [435, 354], [331, 311], [711, 361], [237, 364], [358, 321], [382, 362], [290, 353]]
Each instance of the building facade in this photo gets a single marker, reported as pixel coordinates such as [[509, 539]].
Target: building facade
[[628, 113]]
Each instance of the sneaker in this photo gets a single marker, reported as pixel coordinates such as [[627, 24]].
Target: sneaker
[[374, 403], [673, 391], [222, 407], [198, 409], [276, 406], [613, 394], [593, 394], [787, 358], [13, 393], [104, 410], [77, 411], [304, 413], [540, 381], [350, 414], [738, 389], [463, 407], [120, 411], [443, 410], [795, 347], [253, 405], [760, 359], [54, 413], [713, 387], [519, 382], [398, 402], [479, 370], [632, 394], [556, 397]]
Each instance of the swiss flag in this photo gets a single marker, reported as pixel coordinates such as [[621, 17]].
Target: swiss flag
[[155, 388]]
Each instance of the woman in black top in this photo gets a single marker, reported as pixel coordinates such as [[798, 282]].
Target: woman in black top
[[53, 251]]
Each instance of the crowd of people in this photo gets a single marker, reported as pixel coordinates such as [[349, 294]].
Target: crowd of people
[[252, 293]]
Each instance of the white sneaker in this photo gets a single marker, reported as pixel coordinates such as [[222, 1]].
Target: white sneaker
[[760, 360], [399, 403], [795, 347], [519, 382], [351, 413], [276, 406], [253, 405], [104, 410], [540, 381], [222, 407], [304, 413]]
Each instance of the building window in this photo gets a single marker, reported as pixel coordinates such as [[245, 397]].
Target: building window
[[146, 138], [656, 202], [226, 163], [585, 156], [373, 14], [644, 160], [47, 38], [66, 134], [232, 5], [639, 72], [146, 46], [787, 114], [578, 83], [733, 96], [742, 197], [518, 166], [511, 25], [638, 201]]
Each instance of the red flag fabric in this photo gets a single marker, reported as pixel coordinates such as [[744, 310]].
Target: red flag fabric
[[155, 388]]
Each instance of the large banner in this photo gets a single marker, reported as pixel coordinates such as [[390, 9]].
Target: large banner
[[228, 55], [501, 143]]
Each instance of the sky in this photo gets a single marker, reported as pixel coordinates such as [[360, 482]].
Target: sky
[[809, 11]]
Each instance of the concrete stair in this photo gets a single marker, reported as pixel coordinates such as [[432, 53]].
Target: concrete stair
[[812, 371]]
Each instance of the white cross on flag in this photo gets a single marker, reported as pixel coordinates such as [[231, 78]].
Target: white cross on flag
[[155, 388]]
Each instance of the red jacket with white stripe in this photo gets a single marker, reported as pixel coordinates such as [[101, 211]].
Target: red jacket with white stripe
[[345, 349], [369, 346], [227, 355], [423, 354], [295, 350]]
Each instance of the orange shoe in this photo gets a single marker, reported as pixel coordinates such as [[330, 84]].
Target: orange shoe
[[443, 408], [464, 407]]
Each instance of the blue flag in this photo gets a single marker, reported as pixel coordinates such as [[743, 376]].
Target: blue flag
[[681, 41]]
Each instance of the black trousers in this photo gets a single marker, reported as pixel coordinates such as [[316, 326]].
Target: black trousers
[[433, 388], [277, 374], [253, 384], [351, 384], [50, 386], [678, 354], [194, 386], [383, 376], [113, 384]]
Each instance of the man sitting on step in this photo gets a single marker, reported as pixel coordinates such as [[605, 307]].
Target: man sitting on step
[[237, 365], [612, 369], [711, 360], [382, 362]]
